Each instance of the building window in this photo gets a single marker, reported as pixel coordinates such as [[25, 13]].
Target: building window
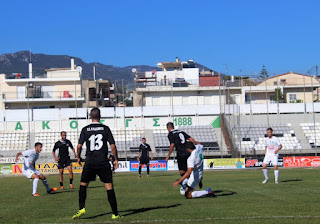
[[292, 97], [272, 99], [275, 83], [92, 94], [247, 98]]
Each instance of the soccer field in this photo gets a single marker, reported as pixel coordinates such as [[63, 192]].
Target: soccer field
[[241, 198]]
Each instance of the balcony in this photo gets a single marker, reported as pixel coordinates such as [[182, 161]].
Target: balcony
[[39, 95]]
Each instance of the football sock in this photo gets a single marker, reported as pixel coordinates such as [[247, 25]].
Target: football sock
[[148, 169], [82, 196], [265, 172], [35, 185], [71, 180], [139, 170], [46, 184], [276, 175], [184, 182], [112, 201], [197, 194], [61, 184]]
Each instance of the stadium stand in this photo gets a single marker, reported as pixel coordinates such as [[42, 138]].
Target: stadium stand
[[205, 134], [252, 137], [12, 140], [312, 133]]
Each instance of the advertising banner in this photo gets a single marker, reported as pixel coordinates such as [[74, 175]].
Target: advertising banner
[[155, 165], [251, 163], [173, 165], [11, 160], [5, 169], [16, 168], [124, 166], [301, 161], [229, 163]]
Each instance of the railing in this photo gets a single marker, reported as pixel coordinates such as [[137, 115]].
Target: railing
[[42, 94]]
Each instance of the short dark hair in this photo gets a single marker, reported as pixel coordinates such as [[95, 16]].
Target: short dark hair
[[37, 144], [95, 113], [270, 129], [170, 125], [190, 145], [143, 138], [63, 132]]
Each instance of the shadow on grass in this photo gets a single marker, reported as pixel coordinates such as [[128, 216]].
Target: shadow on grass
[[134, 211], [293, 180], [220, 193], [60, 192]]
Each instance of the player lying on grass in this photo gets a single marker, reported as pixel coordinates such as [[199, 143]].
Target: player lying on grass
[[193, 176], [29, 170], [272, 148]]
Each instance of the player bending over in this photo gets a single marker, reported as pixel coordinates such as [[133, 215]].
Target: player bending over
[[178, 140], [29, 170], [143, 156], [195, 171], [64, 158], [272, 148], [97, 136]]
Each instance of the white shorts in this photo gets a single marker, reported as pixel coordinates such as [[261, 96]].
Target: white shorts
[[194, 180], [273, 159], [28, 173]]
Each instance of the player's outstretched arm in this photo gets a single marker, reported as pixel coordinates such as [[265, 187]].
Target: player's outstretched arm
[[170, 151], [186, 175], [115, 154], [17, 156], [193, 141]]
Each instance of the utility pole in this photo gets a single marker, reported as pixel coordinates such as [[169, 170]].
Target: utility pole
[[123, 94]]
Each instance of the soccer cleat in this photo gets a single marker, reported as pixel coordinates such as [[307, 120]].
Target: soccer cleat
[[265, 181], [200, 184], [54, 189], [71, 186], [276, 182], [148, 176], [210, 192], [139, 176], [116, 216], [36, 195], [79, 213], [62, 188]]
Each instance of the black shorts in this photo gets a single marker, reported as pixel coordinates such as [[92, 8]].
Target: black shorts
[[182, 161], [64, 162], [144, 160], [89, 173]]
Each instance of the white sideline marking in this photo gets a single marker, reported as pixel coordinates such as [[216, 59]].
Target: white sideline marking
[[212, 219]]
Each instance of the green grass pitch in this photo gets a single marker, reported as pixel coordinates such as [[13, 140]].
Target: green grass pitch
[[241, 198]]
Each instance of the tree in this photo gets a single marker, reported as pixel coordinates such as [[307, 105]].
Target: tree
[[278, 95], [264, 73]]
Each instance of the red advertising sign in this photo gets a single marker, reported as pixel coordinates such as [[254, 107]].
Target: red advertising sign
[[301, 161]]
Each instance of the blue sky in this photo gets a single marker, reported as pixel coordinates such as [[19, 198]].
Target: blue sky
[[283, 35]]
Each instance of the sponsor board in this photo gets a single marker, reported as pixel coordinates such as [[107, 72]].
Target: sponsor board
[[229, 163], [172, 165], [16, 168], [155, 165], [301, 161], [11, 160], [5, 169], [124, 166], [250, 163]]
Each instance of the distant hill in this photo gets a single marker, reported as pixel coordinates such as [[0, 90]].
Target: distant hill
[[18, 63]]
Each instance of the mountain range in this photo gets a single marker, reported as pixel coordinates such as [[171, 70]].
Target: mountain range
[[18, 63]]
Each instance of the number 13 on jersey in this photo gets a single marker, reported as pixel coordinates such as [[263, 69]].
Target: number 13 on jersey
[[96, 142]]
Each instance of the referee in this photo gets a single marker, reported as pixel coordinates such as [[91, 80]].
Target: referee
[[96, 136]]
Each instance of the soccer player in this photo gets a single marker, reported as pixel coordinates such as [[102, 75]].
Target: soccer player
[[178, 140], [193, 176], [64, 159], [272, 148], [96, 136], [143, 156], [29, 170]]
